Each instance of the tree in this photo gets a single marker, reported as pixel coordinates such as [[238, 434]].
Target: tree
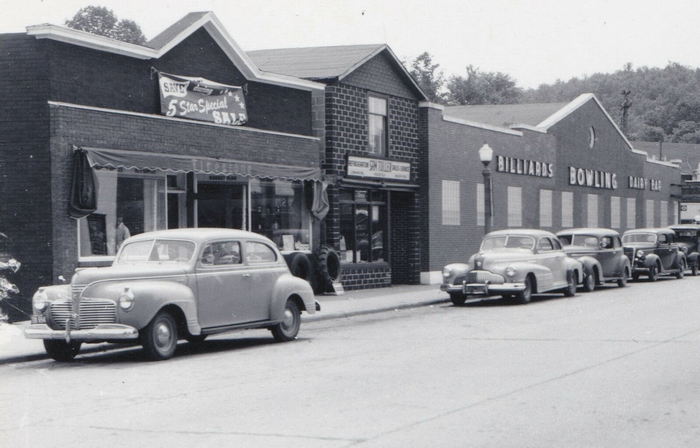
[[102, 21], [428, 78], [482, 88]]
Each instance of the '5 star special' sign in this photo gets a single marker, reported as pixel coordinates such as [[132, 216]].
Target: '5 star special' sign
[[201, 99]]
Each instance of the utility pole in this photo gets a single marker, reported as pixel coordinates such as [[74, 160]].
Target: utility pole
[[626, 103]]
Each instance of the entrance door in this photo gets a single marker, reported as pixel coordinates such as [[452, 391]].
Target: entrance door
[[221, 205]]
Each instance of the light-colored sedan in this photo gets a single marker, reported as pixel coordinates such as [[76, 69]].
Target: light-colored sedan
[[172, 284], [513, 263]]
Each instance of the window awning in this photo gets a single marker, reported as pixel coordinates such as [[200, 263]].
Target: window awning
[[176, 163]]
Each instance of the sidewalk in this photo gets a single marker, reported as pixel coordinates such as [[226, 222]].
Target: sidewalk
[[14, 347]]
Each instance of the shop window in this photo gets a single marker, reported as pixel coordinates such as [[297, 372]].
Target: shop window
[[663, 213], [615, 212], [592, 210], [363, 227], [450, 203], [631, 213], [279, 212], [127, 205], [177, 205], [567, 209], [649, 213], [515, 207], [545, 208], [480, 209], [377, 125]]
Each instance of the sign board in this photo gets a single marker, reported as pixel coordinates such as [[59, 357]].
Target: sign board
[[689, 211], [201, 99], [525, 167], [378, 168]]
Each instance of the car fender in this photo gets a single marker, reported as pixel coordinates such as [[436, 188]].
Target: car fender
[[57, 292], [681, 256], [590, 264], [652, 260], [150, 296], [287, 285], [692, 258], [576, 266], [522, 269], [456, 270]]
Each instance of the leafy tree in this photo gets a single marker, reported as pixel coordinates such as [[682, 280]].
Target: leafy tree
[[428, 78], [102, 21], [482, 88]]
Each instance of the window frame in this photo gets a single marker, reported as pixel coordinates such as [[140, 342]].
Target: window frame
[[369, 202], [385, 122]]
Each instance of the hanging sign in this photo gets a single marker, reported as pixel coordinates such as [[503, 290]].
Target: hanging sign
[[201, 99], [384, 169]]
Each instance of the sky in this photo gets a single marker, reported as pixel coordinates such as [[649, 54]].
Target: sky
[[535, 42]]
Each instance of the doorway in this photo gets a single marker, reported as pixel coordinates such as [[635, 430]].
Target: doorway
[[221, 205]]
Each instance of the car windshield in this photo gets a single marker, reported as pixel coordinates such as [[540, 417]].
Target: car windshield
[[508, 242], [156, 251], [639, 238], [585, 241], [687, 235]]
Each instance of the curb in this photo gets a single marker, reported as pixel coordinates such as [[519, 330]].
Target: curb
[[311, 318]]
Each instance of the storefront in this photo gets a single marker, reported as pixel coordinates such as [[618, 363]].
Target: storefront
[[553, 167]]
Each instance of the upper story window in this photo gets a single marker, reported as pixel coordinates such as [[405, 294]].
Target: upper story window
[[377, 125]]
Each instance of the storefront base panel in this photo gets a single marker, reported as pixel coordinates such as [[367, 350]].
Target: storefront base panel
[[364, 276], [431, 278]]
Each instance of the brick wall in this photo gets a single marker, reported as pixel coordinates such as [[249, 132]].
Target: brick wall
[[25, 196], [94, 78]]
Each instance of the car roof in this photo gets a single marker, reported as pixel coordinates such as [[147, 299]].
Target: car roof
[[651, 230], [525, 232], [685, 227], [595, 231], [199, 234]]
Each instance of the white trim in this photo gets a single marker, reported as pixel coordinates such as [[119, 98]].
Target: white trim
[[430, 105], [381, 48], [430, 277], [180, 120], [208, 21], [663, 162], [528, 127], [488, 127]]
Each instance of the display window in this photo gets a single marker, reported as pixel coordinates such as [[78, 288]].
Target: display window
[[363, 226], [278, 211], [127, 204]]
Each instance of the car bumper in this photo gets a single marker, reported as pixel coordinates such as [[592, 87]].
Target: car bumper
[[484, 289], [104, 332]]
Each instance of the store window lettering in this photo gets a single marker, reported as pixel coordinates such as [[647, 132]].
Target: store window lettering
[[526, 167], [592, 178]]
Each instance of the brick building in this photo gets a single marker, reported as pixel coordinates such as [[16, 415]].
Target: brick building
[[65, 90], [371, 159], [555, 166]]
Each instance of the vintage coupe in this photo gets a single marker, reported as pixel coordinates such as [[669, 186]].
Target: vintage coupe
[[688, 239], [600, 252], [172, 284], [513, 263], [652, 253]]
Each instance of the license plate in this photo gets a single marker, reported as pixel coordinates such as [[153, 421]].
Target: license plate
[[476, 289]]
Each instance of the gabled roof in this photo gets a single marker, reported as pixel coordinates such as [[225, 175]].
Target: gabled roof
[[326, 63], [168, 39], [504, 115]]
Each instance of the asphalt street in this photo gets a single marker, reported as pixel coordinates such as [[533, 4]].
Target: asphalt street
[[614, 368]]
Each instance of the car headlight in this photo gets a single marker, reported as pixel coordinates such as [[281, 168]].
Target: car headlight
[[640, 254], [446, 272], [40, 300], [126, 299], [511, 271]]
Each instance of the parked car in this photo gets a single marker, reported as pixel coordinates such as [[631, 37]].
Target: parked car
[[513, 263], [688, 239], [600, 252], [652, 253], [172, 284]]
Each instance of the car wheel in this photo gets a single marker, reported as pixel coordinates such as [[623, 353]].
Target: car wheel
[[61, 350], [288, 329], [457, 298], [681, 270], [653, 274], [694, 269], [635, 276], [622, 282], [159, 338], [525, 295], [570, 290], [589, 282]]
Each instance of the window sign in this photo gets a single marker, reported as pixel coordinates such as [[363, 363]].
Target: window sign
[[378, 168]]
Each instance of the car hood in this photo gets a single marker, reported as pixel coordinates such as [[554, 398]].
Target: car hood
[[150, 270], [579, 250], [645, 246], [687, 247], [483, 260]]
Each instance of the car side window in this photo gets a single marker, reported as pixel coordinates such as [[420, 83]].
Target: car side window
[[256, 252], [544, 245], [221, 253], [557, 244], [662, 239], [606, 242]]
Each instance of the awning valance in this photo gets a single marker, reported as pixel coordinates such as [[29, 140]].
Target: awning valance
[[176, 163]]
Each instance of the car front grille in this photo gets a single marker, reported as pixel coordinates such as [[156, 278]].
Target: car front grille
[[484, 277], [92, 313]]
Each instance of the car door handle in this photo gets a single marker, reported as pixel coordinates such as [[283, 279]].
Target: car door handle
[[246, 275]]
